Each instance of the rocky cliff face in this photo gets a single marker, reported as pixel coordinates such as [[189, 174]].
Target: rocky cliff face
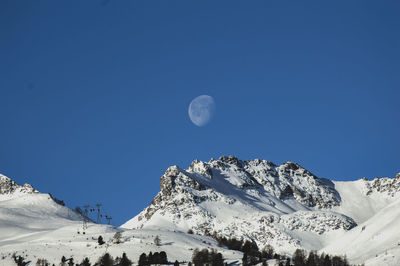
[[390, 186], [253, 199], [288, 181], [9, 189]]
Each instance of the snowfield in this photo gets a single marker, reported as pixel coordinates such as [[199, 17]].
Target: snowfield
[[34, 226], [285, 206], [378, 236], [65, 241]]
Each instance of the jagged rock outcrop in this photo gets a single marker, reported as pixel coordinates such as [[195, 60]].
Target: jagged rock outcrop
[[290, 179], [390, 186], [253, 199], [8, 188]]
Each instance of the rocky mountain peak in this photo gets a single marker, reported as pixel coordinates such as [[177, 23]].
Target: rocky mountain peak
[[286, 181], [8, 187], [255, 197], [391, 186], [292, 166], [257, 183], [233, 160], [201, 167]]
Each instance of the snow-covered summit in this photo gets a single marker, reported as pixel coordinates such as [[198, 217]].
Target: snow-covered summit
[[254, 199], [9, 189], [259, 183], [284, 205], [24, 211], [390, 186]]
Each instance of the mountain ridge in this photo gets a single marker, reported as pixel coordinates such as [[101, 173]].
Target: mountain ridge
[[285, 206], [9, 188], [260, 201]]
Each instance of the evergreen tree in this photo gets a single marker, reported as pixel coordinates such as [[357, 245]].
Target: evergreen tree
[[155, 258], [19, 260], [268, 252], [106, 260], [204, 256], [249, 246], [339, 261], [250, 258], [143, 259], [125, 261], [195, 256], [327, 260], [63, 261], [71, 262], [176, 263], [157, 241], [299, 258], [163, 258], [251, 255], [85, 262], [245, 258], [117, 239], [100, 240], [217, 259], [199, 257], [42, 262], [312, 259]]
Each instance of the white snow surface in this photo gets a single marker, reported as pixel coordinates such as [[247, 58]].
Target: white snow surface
[[34, 226], [377, 240], [285, 206]]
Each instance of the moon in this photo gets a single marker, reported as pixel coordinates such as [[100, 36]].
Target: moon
[[201, 110]]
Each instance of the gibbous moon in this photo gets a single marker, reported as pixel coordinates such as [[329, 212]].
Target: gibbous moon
[[201, 110]]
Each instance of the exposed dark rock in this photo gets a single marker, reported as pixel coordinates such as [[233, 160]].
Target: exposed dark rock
[[286, 193], [231, 160], [60, 202], [8, 186]]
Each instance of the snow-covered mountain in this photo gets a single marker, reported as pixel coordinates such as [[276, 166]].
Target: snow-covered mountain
[[9, 189], [25, 211], [285, 206], [282, 205], [37, 226]]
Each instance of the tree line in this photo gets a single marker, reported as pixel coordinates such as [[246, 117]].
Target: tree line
[[251, 256]]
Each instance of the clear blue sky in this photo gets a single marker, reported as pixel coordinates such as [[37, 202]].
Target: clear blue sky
[[94, 94]]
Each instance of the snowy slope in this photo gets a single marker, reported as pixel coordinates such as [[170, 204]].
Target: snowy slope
[[25, 212], [282, 205], [257, 200], [65, 241], [359, 201], [34, 225], [375, 206], [375, 237], [9, 189], [285, 206], [31, 213]]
